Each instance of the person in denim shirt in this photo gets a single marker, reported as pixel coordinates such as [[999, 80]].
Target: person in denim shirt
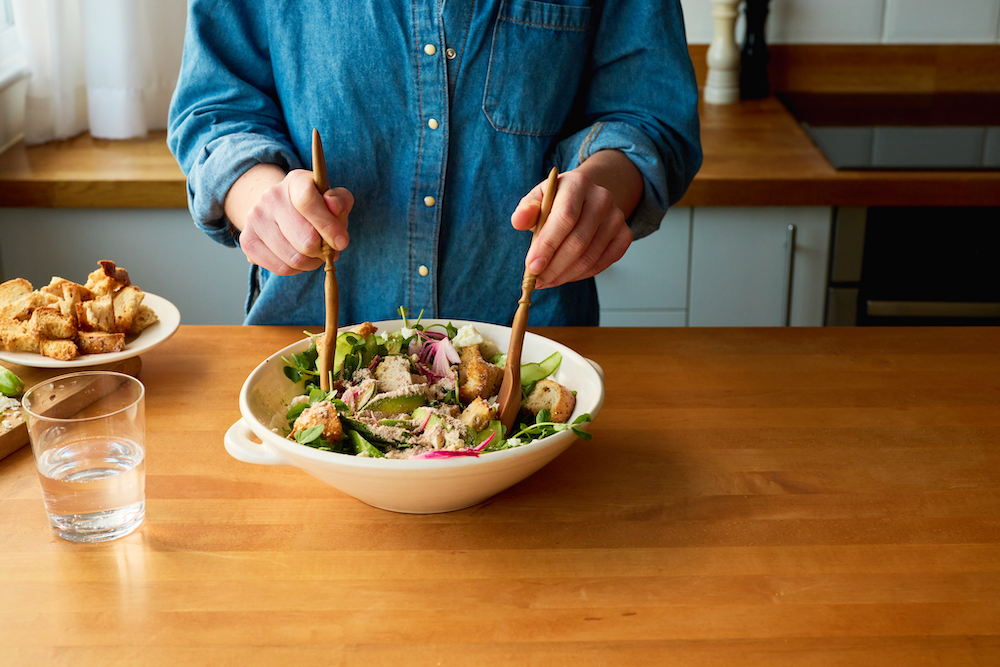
[[440, 120]]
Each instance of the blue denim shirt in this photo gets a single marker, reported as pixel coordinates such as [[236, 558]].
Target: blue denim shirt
[[438, 115]]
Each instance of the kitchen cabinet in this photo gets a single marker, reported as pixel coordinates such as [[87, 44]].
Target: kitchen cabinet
[[648, 286], [162, 249], [723, 266], [764, 266]]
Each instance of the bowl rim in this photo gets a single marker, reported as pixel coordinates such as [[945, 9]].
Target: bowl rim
[[296, 450]]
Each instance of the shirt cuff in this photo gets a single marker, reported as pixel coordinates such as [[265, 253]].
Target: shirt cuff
[[219, 164], [573, 150]]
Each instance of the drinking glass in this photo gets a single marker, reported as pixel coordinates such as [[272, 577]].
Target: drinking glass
[[87, 433]]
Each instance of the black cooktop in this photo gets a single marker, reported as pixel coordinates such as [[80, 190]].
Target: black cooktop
[[890, 131]]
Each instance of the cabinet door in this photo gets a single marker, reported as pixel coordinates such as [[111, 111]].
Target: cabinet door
[[648, 286], [742, 273]]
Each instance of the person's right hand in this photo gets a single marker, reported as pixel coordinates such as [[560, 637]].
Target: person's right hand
[[284, 230]]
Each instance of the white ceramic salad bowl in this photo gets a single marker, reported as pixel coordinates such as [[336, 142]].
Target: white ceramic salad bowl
[[406, 485]]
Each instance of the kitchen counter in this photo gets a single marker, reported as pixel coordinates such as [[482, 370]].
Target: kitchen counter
[[756, 154], [750, 497]]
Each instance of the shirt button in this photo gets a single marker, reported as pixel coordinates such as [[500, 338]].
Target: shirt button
[[433, 124], [423, 270], [450, 53], [429, 201], [430, 49]]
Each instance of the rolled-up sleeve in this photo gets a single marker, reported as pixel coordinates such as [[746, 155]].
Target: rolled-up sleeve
[[224, 117], [641, 98]]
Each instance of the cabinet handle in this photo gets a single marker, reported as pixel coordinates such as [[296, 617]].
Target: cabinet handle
[[786, 304]]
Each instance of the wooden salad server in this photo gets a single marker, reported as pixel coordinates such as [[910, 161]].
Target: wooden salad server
[[325, 362], [509, 399]]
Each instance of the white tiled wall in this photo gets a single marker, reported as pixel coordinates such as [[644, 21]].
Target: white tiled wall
[[863, 21]]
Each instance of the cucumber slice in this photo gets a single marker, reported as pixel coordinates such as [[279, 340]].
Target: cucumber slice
[[365, 397], [362, 446], [397, 404], [532, 373]]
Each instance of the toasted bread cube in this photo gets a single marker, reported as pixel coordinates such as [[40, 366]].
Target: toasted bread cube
[[126, 306], [16, 336], [51, 323], [552, 396], [143, 319], [22, 308], [64, 350], [98, 342], [96, 315], [68, 293], [108, 279], [476, 376], [14, 289], [323, 413], [478, 414]]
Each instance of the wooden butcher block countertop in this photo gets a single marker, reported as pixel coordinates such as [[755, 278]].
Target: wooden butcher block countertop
[[798, 496], [756, 154]]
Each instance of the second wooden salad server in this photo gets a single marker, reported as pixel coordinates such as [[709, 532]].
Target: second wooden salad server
[[325, 365], [509, 399]]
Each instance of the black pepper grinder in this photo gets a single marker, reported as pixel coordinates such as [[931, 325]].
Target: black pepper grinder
[[754, 56]]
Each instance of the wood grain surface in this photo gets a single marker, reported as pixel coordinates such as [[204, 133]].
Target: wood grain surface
[[875, 68], [755, 152], [750, 497]]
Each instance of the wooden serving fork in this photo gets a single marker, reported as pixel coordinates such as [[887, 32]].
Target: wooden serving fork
[[509, 399], [325, 365]]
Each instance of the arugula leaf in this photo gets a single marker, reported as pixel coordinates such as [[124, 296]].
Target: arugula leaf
[[296, 410], [308, 435], [543, 428]]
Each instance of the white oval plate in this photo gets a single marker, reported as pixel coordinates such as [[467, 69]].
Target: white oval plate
[[150, 337]]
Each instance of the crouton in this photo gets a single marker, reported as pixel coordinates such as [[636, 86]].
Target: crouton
[[51, 323], [552, 396], [14, 289], [126, 306], [476, 376], [64, 350], [16, 336], [68, 294], [98, 342], [108, 279], [65, 319], [323, 413], [144, 318], [478, 414], [97, 314], [22, 308]]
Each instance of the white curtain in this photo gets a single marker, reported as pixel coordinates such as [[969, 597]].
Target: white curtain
[[107, 66]]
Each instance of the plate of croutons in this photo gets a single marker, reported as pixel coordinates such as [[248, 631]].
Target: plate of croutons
[[66, 324]]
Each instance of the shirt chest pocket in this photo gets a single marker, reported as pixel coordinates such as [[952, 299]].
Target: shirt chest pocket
[[537, 60]]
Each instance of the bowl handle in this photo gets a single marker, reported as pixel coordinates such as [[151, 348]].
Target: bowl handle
[[242, 448]]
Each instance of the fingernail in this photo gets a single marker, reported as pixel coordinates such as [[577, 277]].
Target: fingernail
[[340, 242], [537, 265]]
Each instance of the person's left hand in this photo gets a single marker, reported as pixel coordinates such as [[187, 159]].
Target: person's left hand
[[584, 234]]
